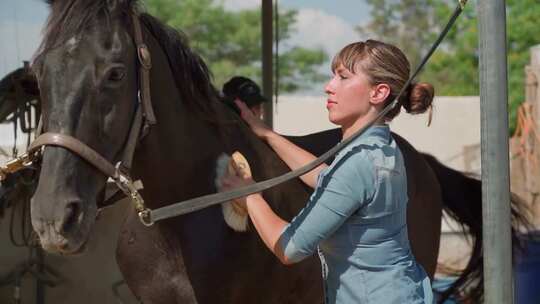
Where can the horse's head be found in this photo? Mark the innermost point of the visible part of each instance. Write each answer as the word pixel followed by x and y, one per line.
pixel 86 69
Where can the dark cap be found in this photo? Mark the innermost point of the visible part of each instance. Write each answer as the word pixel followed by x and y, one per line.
pixel 244 89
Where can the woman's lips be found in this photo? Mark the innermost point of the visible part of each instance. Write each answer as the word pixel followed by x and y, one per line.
pixel 330 103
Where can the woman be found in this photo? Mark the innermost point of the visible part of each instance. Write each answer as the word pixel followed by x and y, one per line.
pixel 356 216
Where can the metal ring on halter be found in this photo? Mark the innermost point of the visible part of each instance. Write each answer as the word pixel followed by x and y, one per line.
pixel 145 216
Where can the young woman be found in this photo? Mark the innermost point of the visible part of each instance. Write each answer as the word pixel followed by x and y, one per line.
pixel 356 216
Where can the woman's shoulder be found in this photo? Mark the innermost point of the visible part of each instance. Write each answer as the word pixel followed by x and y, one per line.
pixel 352 174
pixel 353 163
pixel 359 153
pixel 367 157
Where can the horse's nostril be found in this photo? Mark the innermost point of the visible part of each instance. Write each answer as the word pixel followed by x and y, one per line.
pixel 71 217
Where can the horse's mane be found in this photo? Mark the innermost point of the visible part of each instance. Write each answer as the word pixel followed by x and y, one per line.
pixel 68 18
pixel 191 74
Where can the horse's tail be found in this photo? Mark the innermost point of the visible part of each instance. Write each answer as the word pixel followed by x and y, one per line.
pixel 462 201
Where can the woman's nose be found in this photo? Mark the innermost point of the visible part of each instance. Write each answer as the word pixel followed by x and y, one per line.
pixel 329 88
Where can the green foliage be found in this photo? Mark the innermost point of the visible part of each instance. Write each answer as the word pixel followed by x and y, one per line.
pixel 230 42
pixel 405 23
pixel 453 69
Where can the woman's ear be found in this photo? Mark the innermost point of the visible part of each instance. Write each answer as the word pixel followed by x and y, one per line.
pixel 379 93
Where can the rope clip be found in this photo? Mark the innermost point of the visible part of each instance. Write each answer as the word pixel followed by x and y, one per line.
pixel 131 190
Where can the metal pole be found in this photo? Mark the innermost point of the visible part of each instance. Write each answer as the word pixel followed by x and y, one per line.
pixel 267 65
pixel 495 156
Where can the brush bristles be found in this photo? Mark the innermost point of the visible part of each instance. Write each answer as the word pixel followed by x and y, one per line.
pixel 238 222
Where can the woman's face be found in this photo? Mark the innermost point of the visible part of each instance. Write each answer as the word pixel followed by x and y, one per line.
pixel 348 96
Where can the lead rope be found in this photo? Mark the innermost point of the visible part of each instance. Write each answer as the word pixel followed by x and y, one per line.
pixel 205 201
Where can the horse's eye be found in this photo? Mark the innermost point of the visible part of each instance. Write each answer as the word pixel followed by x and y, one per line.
pixel 117 74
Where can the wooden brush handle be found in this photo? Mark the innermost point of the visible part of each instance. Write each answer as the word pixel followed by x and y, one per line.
pixel 238 165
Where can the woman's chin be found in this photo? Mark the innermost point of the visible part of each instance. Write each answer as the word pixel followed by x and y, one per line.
pixel 335 120
pixel 332 118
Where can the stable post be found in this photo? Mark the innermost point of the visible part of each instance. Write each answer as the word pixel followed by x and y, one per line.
pixel 495 155
pixel 267 60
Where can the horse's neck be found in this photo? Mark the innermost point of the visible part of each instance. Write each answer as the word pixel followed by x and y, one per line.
pixel 179 155
pixel 177 159
pixel 182 151
pixel 287 199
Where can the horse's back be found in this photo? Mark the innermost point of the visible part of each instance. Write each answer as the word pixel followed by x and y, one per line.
pixel 425 206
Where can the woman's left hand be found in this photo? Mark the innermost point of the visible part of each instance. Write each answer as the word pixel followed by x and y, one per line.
pixel 230 182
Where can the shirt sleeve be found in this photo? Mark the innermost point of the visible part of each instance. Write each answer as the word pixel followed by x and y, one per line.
pixel 347 186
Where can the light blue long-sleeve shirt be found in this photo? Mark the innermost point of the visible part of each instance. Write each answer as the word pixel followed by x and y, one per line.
pixel 356 218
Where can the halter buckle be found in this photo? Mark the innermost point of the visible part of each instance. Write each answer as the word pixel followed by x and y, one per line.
pixel 16 164
pixel 144 56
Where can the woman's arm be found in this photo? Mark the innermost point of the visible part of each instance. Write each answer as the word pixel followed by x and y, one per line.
pixel 268 224
pixel 294 156
pixel 346 188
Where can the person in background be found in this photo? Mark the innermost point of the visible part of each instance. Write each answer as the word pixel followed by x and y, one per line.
pixel 247 91
pixel 356 217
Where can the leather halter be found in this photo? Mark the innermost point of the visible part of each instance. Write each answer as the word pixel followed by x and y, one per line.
pixel 143 119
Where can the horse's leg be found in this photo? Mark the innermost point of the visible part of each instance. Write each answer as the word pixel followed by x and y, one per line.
pixel 425 207
pixel 152 274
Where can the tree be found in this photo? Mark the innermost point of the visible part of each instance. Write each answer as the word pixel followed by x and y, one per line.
pixel 453 69
pixel 406 23
pixel 230 42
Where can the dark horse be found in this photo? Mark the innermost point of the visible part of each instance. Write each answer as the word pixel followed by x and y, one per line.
pixel 86 68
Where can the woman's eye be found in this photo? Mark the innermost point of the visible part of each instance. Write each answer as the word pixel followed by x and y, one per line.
pixel 342 77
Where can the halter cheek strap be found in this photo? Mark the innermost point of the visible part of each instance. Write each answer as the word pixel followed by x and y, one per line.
pixel 145 64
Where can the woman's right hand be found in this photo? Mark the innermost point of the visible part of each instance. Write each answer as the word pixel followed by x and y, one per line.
pixel 255 123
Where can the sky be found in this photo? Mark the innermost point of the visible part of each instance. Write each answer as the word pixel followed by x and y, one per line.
pixel 20 31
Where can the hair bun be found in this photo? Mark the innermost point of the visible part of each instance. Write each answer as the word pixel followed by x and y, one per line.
pixel 419 97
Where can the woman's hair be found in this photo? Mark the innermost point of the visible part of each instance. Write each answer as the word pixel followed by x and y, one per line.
pixel 385 63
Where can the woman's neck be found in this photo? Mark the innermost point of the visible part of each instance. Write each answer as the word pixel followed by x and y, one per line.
pixel 349 130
